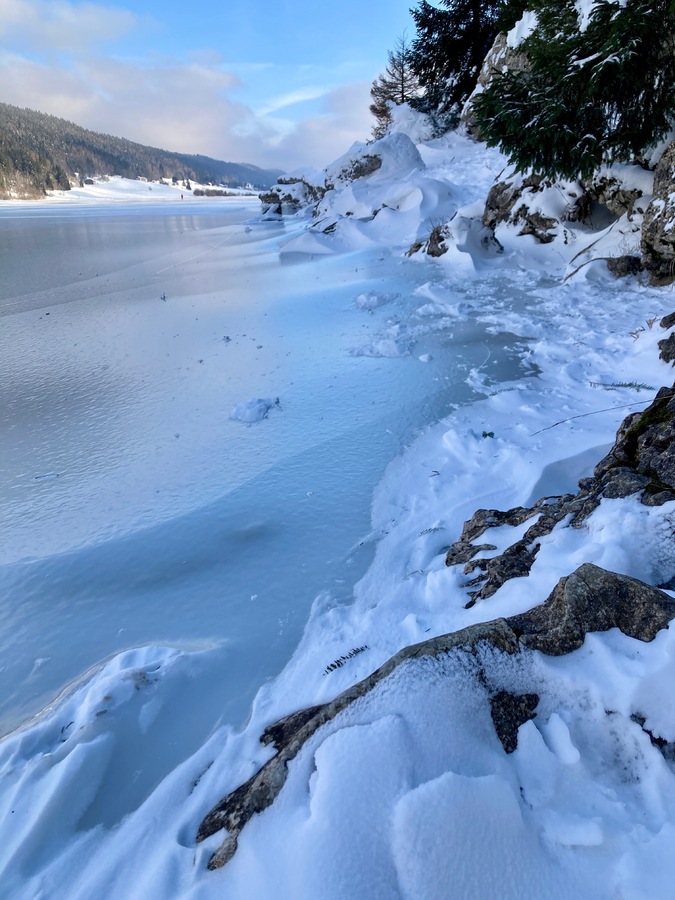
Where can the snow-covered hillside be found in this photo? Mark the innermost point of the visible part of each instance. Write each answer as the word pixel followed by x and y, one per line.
pixel 408 792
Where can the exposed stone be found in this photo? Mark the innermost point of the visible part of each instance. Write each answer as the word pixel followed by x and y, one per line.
pixel 361 167
pixel 668 321
pixel 500 58
pixel 658 229
pixel 622 266
pixel 667 748
pixel 515 562
pixel 641 461
pixel 590 599
pixel 536 225
pixel 509 712
pixel 667 349
pixel 508 201
pixel 612 193
pixel 646 444
pixel 289 195
pixel 436 245
pixel 503 196
pixel 466 234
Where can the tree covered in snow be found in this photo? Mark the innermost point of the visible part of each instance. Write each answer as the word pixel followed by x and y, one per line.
pixel 599 86
pixel 450 45
pixel 397 84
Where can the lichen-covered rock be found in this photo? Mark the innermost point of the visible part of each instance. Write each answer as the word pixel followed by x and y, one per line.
pixel 646 445
pixel 592 599
pixel 658 229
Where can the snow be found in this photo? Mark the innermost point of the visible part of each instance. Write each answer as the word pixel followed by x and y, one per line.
pixel 254 410
pixel 408 791
pixel 523 28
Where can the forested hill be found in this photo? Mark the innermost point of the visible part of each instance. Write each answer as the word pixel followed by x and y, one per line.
pixel 39 152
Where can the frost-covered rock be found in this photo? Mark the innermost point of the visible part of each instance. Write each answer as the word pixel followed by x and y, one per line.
pixel 465 234
pixel 658 231
pixel 531 203
pixel 392 157
pixel 292 193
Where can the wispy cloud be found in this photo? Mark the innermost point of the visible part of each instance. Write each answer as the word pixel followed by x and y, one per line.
pixel 301 95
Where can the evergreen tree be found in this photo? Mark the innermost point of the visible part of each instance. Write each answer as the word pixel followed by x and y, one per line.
pixel 449 48
pixel 595 91
pixel 397 84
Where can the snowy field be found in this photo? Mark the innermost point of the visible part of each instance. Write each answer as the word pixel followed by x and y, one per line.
pixel 198 407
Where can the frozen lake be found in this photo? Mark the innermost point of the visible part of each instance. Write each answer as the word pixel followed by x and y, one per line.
pixel 133 510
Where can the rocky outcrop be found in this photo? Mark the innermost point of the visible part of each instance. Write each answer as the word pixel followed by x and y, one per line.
pixel 658 229
pixel 361 167
pixel 642 461
pixel 590 599
pixel 290 194
pixel 467 234
pixel 500 58
pixel 514 202
pixel 611 192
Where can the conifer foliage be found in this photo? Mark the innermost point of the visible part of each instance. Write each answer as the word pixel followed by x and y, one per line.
pixel 450 45
pixel 397 84
pixel 599 87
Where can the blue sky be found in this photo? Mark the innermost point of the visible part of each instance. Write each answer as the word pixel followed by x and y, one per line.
pixel 280 83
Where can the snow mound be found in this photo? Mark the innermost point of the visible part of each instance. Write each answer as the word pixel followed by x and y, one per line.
pixel 373 299
pixel 254 410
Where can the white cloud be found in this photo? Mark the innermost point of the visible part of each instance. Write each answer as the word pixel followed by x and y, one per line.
pixel 61 25
pixel 185 105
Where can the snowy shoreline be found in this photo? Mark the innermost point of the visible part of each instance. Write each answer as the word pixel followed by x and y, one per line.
pixel 584 806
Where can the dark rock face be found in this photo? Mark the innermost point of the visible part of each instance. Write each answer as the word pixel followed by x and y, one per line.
pixel 667 349
pixel 612 194
pixel 658 229
pixel 590 599
pixel 622 266
pixel 509 712
pixel 436 244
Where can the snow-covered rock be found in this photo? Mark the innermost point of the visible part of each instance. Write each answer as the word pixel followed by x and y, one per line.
pixel 502 56
pixel 658 232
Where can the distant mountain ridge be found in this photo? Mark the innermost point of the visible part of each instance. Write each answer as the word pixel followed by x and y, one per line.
pixel 39 152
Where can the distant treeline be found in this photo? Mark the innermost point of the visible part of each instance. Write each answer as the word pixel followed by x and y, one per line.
pixel 39 152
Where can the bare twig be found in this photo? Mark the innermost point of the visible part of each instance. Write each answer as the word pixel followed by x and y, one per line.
pixel 594 413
